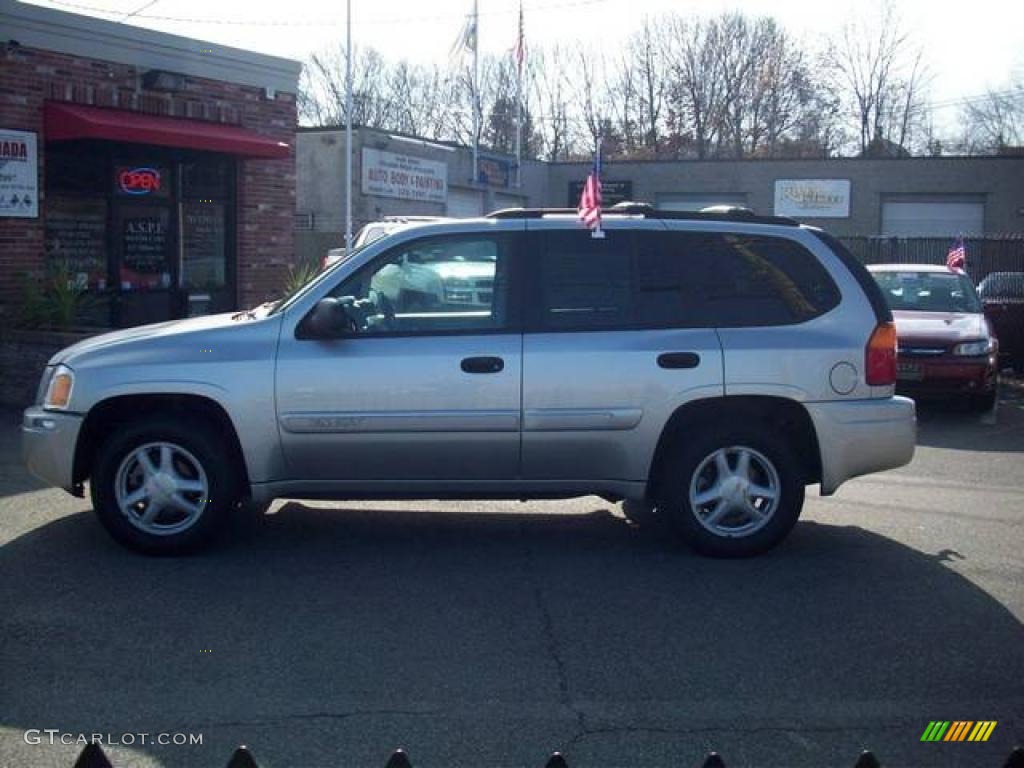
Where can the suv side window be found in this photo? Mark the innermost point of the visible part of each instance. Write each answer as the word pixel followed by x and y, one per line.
pixel 446 283
pixel 753 280
pixel 659 279
pixel 585 282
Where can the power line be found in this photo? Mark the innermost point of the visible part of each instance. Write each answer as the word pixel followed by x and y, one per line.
pixel 139 10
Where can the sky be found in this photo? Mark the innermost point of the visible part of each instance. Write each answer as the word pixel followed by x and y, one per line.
pixel 970 48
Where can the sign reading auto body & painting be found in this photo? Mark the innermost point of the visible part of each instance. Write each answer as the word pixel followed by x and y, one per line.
pixel 408 178
pixel 813 198
pixel 19 176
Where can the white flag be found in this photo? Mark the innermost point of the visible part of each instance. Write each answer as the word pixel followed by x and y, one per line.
pixel 465 43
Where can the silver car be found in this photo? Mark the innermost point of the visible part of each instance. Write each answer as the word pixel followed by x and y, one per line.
pixel 710 366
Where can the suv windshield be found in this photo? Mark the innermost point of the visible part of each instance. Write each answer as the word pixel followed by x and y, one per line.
pixel 928 291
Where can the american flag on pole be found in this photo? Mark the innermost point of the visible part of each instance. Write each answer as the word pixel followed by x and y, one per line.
pixel 590 199
pixel 520 50
pixel 957 256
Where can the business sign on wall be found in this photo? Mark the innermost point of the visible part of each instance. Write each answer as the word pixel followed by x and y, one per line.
pixel 612 192
pixel 813 198
pixel 19 176
pixel 408 178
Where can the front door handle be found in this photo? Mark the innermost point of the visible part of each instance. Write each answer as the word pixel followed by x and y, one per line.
pixel 483 364
pixel 679 360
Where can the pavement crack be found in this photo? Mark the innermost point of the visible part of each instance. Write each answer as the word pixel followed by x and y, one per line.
pixel 270 720
pixel 550 637
pixel 611 730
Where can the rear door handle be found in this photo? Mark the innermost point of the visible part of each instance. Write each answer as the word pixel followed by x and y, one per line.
pixel 679 360
pixel 483 364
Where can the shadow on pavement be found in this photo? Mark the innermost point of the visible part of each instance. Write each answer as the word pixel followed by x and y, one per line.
pixel 13 477
pixel 337 635
pixel 952 424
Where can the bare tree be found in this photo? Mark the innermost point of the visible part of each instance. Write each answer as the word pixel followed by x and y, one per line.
pixel 321 98
pixel 636 92
pixel 995 121
pixel 878 68
pixel 695 91
pixel 548 79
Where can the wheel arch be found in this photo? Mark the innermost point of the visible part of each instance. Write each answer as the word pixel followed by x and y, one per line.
pixel 782 415
pixel 118 410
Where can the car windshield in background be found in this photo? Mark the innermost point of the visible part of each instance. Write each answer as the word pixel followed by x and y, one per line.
pixel 1002 285
pixel 928 291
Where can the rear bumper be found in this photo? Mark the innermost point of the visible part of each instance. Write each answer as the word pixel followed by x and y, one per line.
pixel 48 440
pixel 858 437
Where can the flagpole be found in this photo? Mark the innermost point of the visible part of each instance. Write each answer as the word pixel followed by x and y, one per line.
pixel 476 92
pixel 520 56
pixel 348 126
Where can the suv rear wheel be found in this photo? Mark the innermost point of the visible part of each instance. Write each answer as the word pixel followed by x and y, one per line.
pixel 163 486
pixel 733 492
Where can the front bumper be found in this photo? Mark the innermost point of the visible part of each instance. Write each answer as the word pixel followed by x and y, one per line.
pixel 947 375
pixel 48 440
pixel 857 437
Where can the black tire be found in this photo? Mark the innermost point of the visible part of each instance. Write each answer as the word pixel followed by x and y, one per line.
pixel 205 445
pixel 689 454
pixel 643 514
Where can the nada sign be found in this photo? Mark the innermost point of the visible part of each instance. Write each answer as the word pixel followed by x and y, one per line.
pixel 408 178
pixel 813 198
pixel 19 175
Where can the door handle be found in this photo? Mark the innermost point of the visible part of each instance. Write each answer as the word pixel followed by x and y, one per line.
pixel 679 360
pixel 483 364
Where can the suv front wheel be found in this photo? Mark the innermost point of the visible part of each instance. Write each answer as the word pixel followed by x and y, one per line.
pixel 733 492
pixel 163 486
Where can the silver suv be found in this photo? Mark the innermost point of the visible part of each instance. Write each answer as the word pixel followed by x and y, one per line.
pixel 709 366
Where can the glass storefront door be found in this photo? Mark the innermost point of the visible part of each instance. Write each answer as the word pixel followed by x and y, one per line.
pixel 144 263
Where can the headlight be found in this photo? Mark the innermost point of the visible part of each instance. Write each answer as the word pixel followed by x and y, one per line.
pixel 975 348
pixel 58 394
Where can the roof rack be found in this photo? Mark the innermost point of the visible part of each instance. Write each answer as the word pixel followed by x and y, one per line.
pixel 648 211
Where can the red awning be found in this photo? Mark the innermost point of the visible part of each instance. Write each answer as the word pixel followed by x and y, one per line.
pixel 73 121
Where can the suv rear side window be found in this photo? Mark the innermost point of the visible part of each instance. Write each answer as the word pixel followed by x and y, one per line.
pixel 658 279
pixel 750 280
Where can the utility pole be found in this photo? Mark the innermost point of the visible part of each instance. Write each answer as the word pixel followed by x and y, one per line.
pixel 348 127
pixel 476 93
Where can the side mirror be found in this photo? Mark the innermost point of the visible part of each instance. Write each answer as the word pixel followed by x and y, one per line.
pixel 329 320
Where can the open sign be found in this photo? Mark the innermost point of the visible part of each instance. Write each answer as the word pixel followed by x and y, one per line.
pixel 139 181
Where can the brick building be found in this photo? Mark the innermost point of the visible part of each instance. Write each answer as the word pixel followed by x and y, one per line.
pixel 158 170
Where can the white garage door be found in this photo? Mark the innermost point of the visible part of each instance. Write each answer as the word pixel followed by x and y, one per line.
pixel 464 203
pixel 697 202
pixel 932 219
pixel 508 201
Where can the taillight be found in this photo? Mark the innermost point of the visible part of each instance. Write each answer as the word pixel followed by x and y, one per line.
pixel 880 356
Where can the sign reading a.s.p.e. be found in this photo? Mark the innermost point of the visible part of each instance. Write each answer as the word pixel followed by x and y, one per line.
pixel 388 174
pixel 19 175
pixel 813 198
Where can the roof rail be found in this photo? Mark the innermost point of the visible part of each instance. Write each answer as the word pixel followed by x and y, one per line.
pixel 648 211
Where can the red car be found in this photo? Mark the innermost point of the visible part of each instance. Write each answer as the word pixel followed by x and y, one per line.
pixel 945 344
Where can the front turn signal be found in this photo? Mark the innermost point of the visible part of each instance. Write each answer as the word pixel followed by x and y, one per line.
pixel 58 395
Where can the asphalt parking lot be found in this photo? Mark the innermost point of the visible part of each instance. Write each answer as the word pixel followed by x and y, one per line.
pixel 490 634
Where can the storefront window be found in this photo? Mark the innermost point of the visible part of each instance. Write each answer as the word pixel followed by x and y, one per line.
pixel 76 238
pixel 203 254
